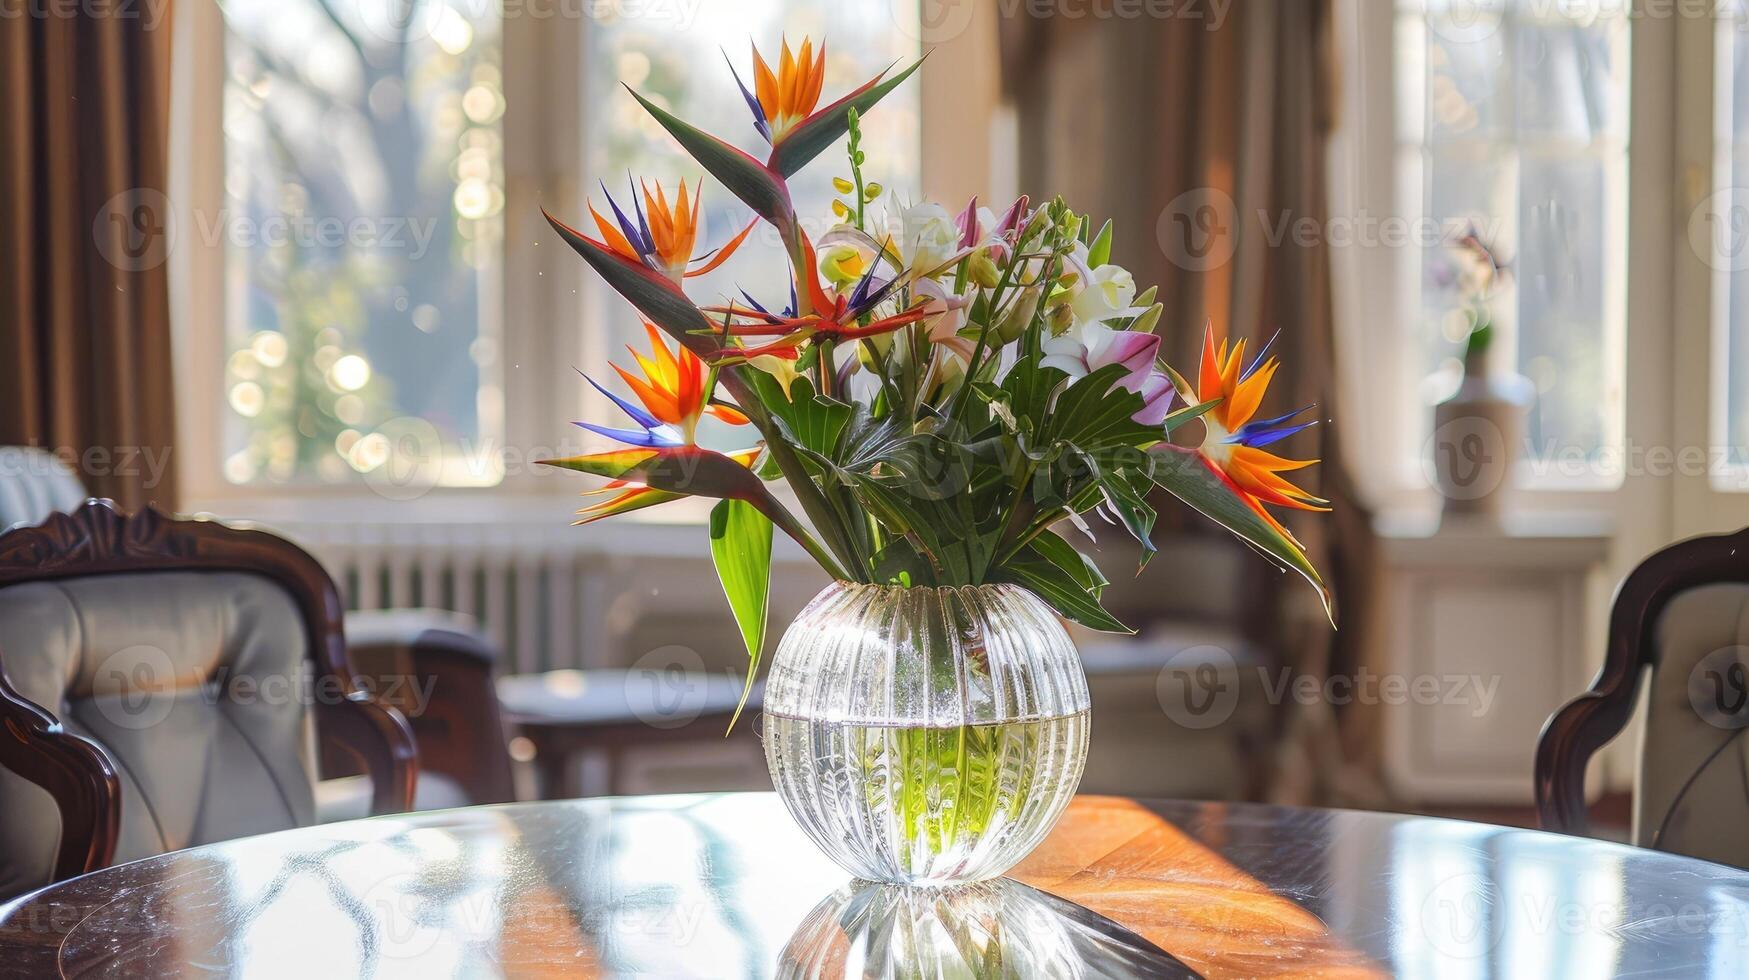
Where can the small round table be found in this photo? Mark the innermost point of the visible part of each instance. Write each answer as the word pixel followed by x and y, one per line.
pixel 726 886
pixel 568 714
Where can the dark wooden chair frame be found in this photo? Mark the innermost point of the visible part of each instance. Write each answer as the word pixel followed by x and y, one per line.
pixel 1586 723
pixel 97 539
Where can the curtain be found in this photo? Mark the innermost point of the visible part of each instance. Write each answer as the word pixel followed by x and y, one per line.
pixel 84 292
pixel 1205 140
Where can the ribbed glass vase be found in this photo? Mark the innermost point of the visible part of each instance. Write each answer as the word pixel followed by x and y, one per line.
pixel 926 735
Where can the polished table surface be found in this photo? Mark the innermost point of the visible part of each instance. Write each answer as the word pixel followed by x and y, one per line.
pixel 726 886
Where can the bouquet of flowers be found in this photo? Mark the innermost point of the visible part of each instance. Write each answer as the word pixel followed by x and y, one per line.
pixel 945 395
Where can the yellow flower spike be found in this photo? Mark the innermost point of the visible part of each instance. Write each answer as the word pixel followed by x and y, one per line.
pixel 842 186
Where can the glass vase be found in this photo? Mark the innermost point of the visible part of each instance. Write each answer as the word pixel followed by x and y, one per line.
pixel 926 735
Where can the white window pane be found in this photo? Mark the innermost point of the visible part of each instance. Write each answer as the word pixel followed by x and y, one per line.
pixel 1469 82
pixel 363 222
pixel 1720 236
pixel 1465 186
pixel 1571 81
pixel 1566 303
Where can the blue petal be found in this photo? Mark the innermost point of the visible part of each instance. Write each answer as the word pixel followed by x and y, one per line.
pixel 638 415
pixel 753 302
pixel 759 121
pixel 626 227
pixel 1257 361
pixel 638 206
pixel 634 437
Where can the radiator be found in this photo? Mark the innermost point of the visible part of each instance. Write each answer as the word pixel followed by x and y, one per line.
pixel 524 584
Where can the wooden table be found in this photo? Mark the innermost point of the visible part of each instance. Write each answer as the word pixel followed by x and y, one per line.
pixel 567 714
pixel 726 886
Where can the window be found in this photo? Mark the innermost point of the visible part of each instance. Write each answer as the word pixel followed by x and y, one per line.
pixel 1512 117
pixel 348 176
pixel 1722 231
pixel 363 223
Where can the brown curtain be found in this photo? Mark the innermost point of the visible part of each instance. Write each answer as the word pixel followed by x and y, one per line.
pixel 1206 141
pixel 85 320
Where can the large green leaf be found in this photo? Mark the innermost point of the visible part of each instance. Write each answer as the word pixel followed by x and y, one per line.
pixel 826 126
pixel 1060 577
pixel 813 422
pixel 654 295
pixel 1189 477
pixel 741 548
pixel 753 182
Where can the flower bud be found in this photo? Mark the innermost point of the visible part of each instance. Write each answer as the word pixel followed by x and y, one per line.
pixel 1060 318
pixel 871 191
pixel 1019 315
pixel 842 186
pixel 982 270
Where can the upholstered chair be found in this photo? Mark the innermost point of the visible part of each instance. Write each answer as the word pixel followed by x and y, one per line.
pixel 434 666
pixel 163 684
pixel 35 483
pixel 1680 624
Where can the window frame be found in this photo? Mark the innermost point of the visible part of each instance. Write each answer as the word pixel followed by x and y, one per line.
pixel 547 298
pixel 1375 296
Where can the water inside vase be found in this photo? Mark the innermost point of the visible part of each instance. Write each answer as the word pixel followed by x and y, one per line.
pixel 924 804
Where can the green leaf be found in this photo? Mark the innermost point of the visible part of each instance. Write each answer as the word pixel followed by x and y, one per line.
pixel 1054 548
pixel 1188 477
pixel 822 129
pixel 1099 253
pixel 812 423
pixel 741 548
pixel 1189 413
pixel 1061 587
pixel 753 182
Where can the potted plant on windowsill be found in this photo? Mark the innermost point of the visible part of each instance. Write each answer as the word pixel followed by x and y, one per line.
pixel 946 397
pixel 1479 430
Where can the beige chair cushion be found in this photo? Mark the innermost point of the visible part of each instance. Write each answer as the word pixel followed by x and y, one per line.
pixel 194 682
pixel 34 484
pixel 1711 820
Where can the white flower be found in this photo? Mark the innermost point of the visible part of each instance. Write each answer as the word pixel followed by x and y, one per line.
pixel 1106 293
pixel 928 237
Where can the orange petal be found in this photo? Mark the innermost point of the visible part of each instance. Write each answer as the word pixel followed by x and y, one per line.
pixel 728 414
pixel 611 235
pixel 726 251
pixel 1208 384
pixel 660 403
pixel 765 85
pixel 1248 394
